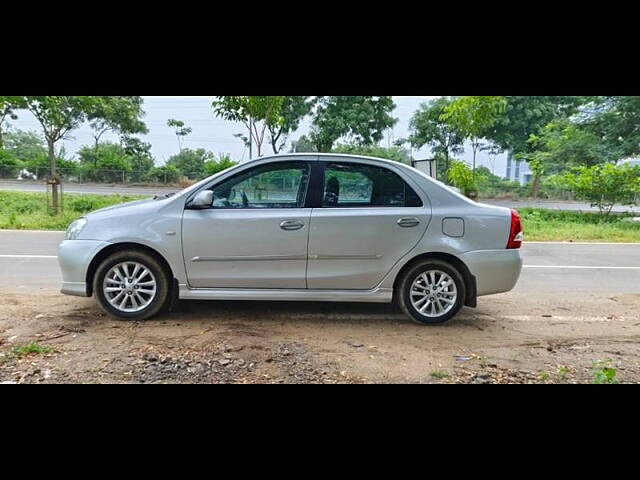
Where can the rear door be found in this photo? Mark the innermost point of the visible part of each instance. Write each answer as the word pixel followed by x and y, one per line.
pixel 370 217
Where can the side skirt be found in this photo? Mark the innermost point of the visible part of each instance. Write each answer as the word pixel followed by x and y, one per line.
pixel 377 295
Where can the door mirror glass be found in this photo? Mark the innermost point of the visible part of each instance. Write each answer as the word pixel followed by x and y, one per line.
pixel 203 199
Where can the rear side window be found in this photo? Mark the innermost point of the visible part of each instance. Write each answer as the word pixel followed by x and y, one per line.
pixel 358 185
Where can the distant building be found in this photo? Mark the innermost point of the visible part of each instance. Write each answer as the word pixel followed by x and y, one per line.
pixel 635 162
pixel 518 170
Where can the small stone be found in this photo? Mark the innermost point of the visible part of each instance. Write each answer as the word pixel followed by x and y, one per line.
pixel 356 344
pixel 224 362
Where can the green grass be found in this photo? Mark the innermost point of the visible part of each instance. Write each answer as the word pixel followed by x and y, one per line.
pixel 28 211
pixel 553 225
pixel 32 349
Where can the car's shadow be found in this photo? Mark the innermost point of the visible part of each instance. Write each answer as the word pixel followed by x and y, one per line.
pixel 275 308
pixel 301 312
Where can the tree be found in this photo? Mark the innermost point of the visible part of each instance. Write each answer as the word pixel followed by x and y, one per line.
pixel 191 163
pixel 58 116
pixel 360 120
pixel 106 162
pixel 563 144
pixel 7 113
pixel 524 116
pixel 181 131
pixel 463 177
pixel 257 114
pixel 28 148
pixel 119 115
pixel 395 153
pixel 293 110
pixel 616 120
pixel 139 154
pixel 474 116
pixel 604 185
pixel 213 166
pixel 428 128
pixel 303 145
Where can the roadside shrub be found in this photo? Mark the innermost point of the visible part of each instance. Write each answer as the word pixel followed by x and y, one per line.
pixel 211 167
pixel 604 185
pixel 461 176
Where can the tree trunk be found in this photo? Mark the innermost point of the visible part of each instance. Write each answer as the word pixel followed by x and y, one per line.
pixel 535 186
pixel 475 150
pixel 446 168
pixel 274 143
pixel 54 177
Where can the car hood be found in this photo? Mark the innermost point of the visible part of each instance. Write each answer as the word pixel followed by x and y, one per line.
pixel 122 207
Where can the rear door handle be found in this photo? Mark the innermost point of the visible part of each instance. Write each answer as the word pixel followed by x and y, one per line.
pixel 408 222
pixel 291 225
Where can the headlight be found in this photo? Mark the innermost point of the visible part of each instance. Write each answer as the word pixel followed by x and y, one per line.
pixel 75 228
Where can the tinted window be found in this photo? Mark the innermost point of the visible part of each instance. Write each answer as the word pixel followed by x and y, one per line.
pixel 280 185
pixel 357 185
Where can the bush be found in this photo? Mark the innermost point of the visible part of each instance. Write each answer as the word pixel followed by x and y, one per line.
pixel 164 174
pixel 191 163
pixel 223 162
pixel 461 176
pixel 604 185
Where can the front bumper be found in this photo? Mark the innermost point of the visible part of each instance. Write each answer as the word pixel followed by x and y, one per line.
pixel 496 271
pixel 74 257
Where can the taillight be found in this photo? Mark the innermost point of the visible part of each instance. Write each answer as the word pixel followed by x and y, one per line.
pixel 516 235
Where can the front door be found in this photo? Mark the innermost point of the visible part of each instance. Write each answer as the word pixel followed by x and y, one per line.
pixel 255 233
pixel 369 219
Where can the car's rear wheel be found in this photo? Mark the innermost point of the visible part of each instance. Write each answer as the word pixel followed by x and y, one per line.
pixel 131 285
pixel 432 292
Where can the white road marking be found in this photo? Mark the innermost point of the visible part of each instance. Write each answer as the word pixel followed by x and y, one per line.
pixel 582 267
pixel 581 243
pixel 28 256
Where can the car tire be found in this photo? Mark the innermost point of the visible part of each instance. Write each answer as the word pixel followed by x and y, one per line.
pixel 111 288
pixel 415 294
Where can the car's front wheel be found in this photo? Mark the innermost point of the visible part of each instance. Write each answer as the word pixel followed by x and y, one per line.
pixel 131 285
pixel 432 292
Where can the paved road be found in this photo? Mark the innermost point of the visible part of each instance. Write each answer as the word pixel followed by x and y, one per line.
pixel 113 189
pixel 27 262
pixel 87 188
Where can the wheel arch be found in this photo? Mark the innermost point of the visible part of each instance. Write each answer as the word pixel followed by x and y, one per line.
pixel 119 247
pixel 469 278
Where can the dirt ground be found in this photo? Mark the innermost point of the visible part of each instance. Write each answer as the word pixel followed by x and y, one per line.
pixel 508 339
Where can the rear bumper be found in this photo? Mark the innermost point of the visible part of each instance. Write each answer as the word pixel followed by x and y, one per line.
pixel 496 271
pixel 74 257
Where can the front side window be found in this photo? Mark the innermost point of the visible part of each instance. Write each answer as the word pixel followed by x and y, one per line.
pixel 281 185
pixel 358 185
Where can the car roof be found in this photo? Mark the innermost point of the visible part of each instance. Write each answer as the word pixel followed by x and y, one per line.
pixel 322 156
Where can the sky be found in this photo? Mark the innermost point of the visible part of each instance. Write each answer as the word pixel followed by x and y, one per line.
pixel 216 135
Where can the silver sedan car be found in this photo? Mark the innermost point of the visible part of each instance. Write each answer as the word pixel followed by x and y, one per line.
pixel 300 227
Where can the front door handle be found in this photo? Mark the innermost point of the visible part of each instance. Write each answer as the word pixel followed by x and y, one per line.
pixel 408 222
pixel 291 225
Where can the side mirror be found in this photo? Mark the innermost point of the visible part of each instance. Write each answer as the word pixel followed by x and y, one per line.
pixel 203 199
